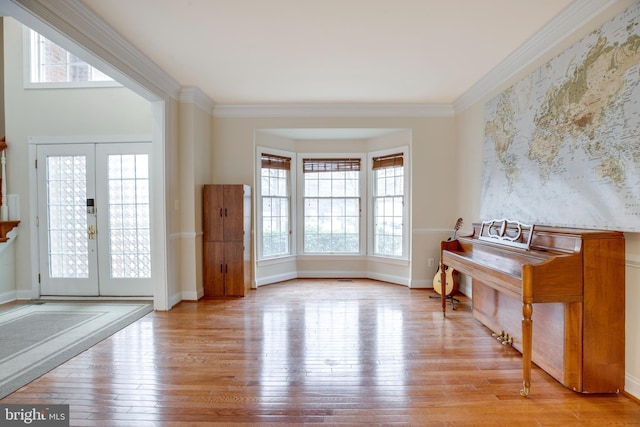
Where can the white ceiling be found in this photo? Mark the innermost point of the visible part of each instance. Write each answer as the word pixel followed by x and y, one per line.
pixel 328 51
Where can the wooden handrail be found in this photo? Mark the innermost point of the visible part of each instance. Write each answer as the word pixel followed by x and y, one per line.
pixel 5 228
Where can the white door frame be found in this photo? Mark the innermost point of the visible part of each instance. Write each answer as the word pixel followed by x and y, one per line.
pixel 157 202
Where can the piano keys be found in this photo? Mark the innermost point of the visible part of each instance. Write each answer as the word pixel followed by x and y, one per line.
pixel 559 293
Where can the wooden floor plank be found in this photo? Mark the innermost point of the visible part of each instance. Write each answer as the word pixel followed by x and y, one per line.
pixel 314 352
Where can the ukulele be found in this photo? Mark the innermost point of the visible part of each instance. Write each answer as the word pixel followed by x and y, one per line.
pixel 451 283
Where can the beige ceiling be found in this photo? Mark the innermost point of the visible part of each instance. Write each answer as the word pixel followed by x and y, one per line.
pixel 331 51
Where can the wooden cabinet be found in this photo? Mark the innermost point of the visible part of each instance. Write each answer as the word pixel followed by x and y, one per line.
pixel 227 240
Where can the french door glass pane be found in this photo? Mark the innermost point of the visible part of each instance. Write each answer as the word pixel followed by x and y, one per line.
pixel 67 217
pixel 129 227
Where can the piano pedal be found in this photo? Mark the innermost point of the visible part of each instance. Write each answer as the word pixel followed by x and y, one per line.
pixel 505 339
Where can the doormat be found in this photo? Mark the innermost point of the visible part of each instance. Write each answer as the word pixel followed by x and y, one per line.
pixel 37 337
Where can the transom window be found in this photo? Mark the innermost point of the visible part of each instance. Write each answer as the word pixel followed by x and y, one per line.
pixel 331 206
pixel 50 65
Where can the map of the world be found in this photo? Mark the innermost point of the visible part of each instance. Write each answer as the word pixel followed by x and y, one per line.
pixel 562 145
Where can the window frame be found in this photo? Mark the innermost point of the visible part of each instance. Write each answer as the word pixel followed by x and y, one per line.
pixel 259 205
pixel 28 60
pixel 404 150
pixel 362 227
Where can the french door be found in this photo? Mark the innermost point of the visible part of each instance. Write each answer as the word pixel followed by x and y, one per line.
pixel 93 219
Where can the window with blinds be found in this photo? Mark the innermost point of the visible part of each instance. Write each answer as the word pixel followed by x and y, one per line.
pixel 388 205
pixel 331 210
pixel 276 205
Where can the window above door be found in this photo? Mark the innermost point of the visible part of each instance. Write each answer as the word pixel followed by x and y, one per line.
pixel 47 66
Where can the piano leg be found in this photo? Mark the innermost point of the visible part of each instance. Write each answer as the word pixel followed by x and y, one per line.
pixel 527 344
pixel 443 282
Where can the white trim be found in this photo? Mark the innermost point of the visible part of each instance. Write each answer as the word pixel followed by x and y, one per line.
pixel 87 139
pixel 398 280
pixel 276 278
pixel 185 235
pixel 632 385
pixel 190 296
pixel 402 262
pixel 173 300
pixel 332 257
pixel 24 295
pixel 421 284
pixel 334 110
pixel 276 260
pixel 333 274
pixel 34 243
pixel 193 95
pixel 162 130
pixel 632 263
pixel 555 31
pixel 8 296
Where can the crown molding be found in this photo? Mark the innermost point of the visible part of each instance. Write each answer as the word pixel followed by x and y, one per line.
pixel 193 95
pixel 555 31
pixel 333 110
pixel 79 30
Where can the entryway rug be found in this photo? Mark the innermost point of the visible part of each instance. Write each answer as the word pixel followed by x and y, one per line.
pixel 36 337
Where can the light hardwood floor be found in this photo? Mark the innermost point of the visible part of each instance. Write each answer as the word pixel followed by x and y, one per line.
pixel 323 352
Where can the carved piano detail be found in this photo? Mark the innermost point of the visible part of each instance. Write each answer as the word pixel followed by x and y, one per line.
pixel 558 293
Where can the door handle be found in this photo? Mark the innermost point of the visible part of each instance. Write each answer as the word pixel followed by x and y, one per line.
pixel 92 232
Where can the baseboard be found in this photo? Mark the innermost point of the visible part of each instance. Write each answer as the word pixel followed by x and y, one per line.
pixel 174 299
pixel 8 296
pixel 190 296
pixel 421 284
pixel 24 295
pixel 334 274
pixel 275 279
pixel 632 386
pixel 389 278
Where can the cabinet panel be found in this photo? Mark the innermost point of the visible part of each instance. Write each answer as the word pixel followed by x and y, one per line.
pixel 233 212
pixel 213 268
pixel 234 269
pixel 213 213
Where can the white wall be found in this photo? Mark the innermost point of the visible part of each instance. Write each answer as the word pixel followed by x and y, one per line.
pixel 55 112
pixel 470 130
pixel 195 126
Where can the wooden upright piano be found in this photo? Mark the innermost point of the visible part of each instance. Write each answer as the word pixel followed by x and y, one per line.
pixel 557 294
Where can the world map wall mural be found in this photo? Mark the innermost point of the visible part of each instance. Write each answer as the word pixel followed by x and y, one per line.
pixel 562 145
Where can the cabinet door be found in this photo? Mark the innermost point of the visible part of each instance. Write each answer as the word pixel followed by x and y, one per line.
pixel 214 266
pixel 213 212
pixel 234 268
pixel 233 212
